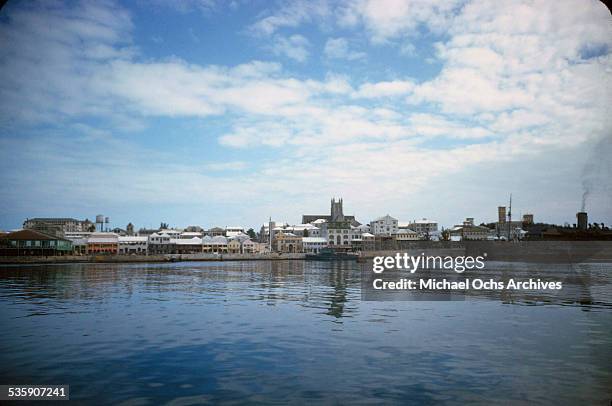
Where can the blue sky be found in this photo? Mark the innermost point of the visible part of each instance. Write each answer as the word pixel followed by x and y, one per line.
pixel 225 113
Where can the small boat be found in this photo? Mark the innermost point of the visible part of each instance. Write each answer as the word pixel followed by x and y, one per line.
pixel 329 254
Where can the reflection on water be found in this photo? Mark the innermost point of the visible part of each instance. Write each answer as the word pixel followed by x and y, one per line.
pixel 294 331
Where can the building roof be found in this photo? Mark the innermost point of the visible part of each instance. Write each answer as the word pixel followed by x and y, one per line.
pixel 22 235
pixel 385 217
pixel 424 221
pixel 187 241
pixel 314 239
pixel 52 219
pixel 131 238
pixel 103 238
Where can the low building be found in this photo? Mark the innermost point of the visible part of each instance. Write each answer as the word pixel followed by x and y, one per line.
pixel 469 231
pixel 288 243
pixel 132 245
pixel 216 232
pixel 234 246
pixel 216 245
pixel 313 245
pixel 160 243
pixel 425 228
pixel 385 225
pixel 103 243
pixel 405 234
pixel 249 246
pixel 31 242
pixel 233 231
pixel 186 245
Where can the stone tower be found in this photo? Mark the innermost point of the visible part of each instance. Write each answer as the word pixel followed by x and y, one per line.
pixel 336 210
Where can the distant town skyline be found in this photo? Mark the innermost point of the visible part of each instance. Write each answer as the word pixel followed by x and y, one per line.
pixel 226 113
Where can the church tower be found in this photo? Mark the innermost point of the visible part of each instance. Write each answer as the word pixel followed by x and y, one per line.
pixel 336 210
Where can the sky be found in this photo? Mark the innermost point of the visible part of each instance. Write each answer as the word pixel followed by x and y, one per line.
pixel 224 113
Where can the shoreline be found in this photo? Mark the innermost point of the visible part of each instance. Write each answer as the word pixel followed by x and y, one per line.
pixel 541 251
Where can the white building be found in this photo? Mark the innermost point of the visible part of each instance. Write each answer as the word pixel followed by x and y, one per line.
pixel 424 227
pixel 385 225
pixel 133 245
pixel 233 231
pixel 313 245
pixel 190 234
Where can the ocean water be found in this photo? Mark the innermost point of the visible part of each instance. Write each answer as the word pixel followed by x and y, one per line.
pixel 297 332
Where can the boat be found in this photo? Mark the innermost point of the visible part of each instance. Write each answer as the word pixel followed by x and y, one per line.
pixel 329 254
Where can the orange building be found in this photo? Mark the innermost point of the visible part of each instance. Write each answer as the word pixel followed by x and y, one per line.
pixel 103 243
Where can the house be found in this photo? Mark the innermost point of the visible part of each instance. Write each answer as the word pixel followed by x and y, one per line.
pixel 103 243
pixel 217 244
pixel 186 245
pixel 313 245
pixel 234 246
pixel 469 231
pixel 216 231
pixel 31 242
pixel 161 243
pixel 385 225
pixel 131 245
pixel 424 228
pixel 233 231
pixel 405 234
pixel 249 246
pixel 288 242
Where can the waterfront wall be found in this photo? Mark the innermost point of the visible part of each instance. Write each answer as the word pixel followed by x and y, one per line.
pixel 146 258
pixel 525 251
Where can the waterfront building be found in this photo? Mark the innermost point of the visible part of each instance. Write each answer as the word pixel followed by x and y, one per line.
pixel 129 244
pixel 288 242
pixel 160 243
pixel 186 245
pixel 313 245
pixel 249 246
pixel 216 244
pixel 385 225
pixel 425 228
pixel 368 242
pixel 103 243
pixel 234 246
pixel 469 231
pixel 31 242
pixel 405 234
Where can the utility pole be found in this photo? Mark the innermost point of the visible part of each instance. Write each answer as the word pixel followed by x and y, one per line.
pixel 510 217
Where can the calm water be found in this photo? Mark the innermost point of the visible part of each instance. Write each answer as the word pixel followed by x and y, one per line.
pixel 296 332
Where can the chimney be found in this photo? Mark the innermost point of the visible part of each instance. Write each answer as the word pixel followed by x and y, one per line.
pixel 582 220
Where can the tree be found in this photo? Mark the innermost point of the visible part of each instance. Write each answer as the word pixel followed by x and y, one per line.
pixel 306 234
pixel 445 235
pixel 251 234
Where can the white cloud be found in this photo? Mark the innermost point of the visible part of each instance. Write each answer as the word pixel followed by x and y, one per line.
pixel 291 14
pixel 338 48
pixel 385 89
pixel 294 47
